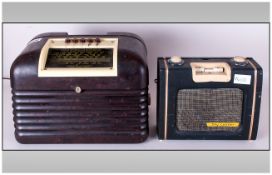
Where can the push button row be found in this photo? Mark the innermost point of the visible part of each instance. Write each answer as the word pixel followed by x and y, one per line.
pixel 82 40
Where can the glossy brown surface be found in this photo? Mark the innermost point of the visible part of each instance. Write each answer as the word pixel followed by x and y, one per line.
pixel 107 110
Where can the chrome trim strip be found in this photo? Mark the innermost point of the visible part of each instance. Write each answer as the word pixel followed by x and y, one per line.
pixel 254 100
pixel 166 99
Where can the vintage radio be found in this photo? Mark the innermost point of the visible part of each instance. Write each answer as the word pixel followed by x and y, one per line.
pixel 208 98
pixel 81 89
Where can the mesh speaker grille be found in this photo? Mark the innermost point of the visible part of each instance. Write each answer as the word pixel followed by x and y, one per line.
pixel 197 108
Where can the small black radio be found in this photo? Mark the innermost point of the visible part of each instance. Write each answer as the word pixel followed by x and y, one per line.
pixel 208 98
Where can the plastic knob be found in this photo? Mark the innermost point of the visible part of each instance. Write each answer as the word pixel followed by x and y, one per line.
pixel 176 60
pixel 67 40
pixel 239 59
pixel 82 40
pixel 75 40
pixel 97 40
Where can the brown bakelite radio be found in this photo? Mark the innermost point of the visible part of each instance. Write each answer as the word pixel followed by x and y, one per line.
pixel 208 98
pixel 81 89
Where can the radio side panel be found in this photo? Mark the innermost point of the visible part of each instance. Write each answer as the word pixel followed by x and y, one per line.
pixel 258 98
pixel 160 97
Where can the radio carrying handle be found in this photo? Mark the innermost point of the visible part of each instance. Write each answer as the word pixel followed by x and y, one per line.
pixel 210 72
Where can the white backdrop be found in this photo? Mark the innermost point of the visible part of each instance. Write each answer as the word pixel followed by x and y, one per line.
pixel 184 39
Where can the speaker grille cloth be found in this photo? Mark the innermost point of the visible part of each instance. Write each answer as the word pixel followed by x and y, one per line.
pixel 197 107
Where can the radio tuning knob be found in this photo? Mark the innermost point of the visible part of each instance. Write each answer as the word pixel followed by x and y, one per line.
pixel 67 40
pixel 78 89
pixel 239 59
pixel 82 40
pixel 90 40
pixel 176 60
pixel 97 40
pixel 75 40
